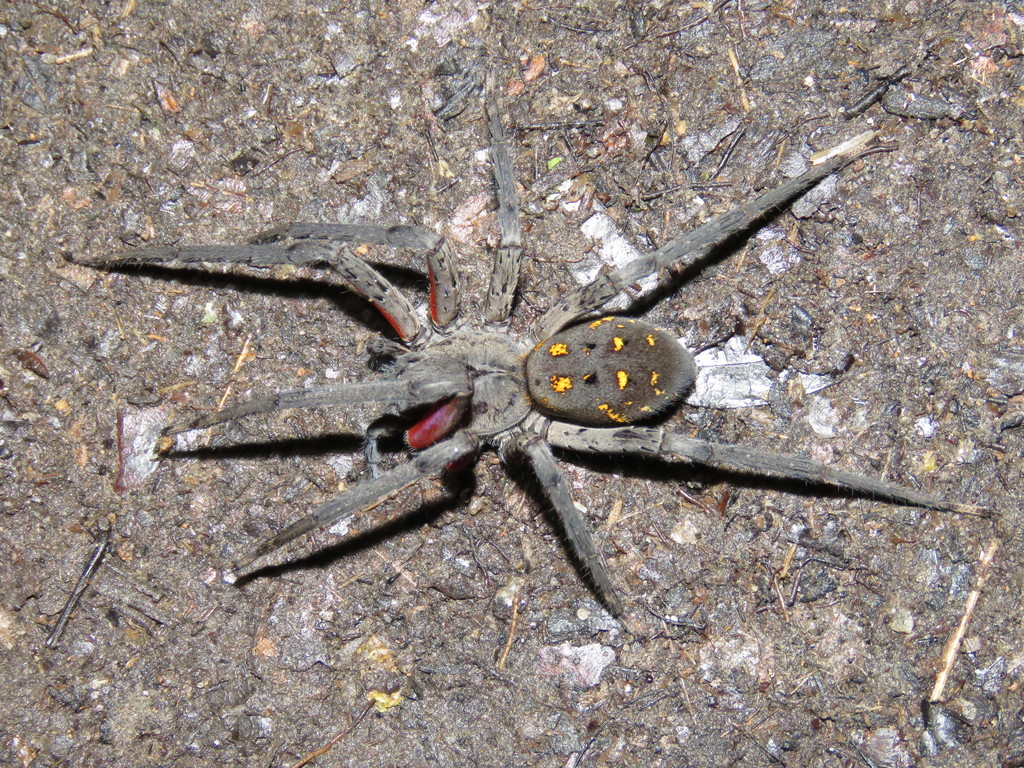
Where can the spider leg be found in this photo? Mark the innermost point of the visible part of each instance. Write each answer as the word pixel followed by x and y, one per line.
pixel 655 442
pixel 578 531
pixel 360 497
pixel 398 236
pixel 359 276
pixel 688 249
pixel 441 273
pixel 509 257
pixel 401 391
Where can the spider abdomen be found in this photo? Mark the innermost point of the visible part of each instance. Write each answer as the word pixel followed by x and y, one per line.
pixel 615 370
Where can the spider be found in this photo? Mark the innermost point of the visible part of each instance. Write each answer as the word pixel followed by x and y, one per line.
pixel 579 383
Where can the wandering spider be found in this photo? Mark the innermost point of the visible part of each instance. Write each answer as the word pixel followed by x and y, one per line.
pixel 578 383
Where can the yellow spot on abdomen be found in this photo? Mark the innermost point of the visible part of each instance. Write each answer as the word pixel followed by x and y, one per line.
pixel 559 348
pixel 622 378
pixel 650 339
pixel 611 414
pixel 654 378
pixel 561 384
pixel 617 343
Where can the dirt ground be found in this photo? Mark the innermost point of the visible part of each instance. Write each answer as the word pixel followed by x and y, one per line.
pixel 781 626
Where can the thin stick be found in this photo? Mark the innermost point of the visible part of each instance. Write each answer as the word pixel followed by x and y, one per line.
pixel 80 586
pixel 241 359
pixel 511 632
pixel 330 744
pixel 952 648
pixel 782 600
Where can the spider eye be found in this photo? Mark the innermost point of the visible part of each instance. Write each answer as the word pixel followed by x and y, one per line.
pixel 629 371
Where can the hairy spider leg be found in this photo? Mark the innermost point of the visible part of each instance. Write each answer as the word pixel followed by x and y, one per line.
pixel 679 253
pixel 441 273
pixel 659 443
pixel 357 275
pixel 508 259
pixel 577 529
pixel 317 244
pixel 405 392
pixel 367 494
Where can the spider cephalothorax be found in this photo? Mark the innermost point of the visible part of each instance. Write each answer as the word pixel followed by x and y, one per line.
pixel 580 383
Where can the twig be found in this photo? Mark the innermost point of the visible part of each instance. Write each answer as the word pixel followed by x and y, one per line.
pixel 762 318
pixel 727 156
pixel 874 92
pixel 511 632
pixel 952 648
pixel 240 360
pixel 330 744
pixel 80 586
